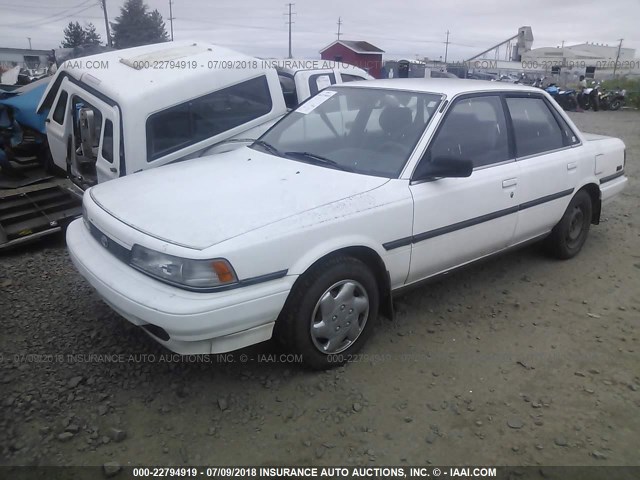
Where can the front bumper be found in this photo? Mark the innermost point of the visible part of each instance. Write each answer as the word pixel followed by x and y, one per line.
pixel 196 323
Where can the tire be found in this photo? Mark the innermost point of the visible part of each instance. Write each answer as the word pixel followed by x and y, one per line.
pixel 568 236
pixel 300 325
pixel 570 104
pixel 615 105
pixel 583 102
pixel 595 102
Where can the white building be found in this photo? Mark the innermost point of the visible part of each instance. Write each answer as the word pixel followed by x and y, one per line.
pixel 25 58
pixel 591 59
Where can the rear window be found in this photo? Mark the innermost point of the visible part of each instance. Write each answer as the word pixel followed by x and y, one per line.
pixel 319 81
pixel 350 78
pixel 196 120
pixel 288 86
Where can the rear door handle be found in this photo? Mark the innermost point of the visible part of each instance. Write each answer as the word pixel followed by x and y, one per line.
pixel 572 166
pixel 510 182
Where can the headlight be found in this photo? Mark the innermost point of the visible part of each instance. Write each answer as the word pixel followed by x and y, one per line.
pixel 196 274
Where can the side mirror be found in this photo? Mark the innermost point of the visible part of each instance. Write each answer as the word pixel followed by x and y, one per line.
pixel 449 167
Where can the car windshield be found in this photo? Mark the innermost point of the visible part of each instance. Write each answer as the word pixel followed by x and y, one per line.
pixel 371 131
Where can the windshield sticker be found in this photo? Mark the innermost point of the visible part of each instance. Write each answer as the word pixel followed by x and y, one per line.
pixel 315 102
pixel 431 104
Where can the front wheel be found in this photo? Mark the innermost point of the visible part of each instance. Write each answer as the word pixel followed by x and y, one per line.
pixel 330 312
pixel 615 105
pixel 568 236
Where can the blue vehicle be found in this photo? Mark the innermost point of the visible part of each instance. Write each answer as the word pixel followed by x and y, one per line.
pixel 32 204
pixel 565 98
pixel 22 130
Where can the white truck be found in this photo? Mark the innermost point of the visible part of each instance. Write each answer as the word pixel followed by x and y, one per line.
pixel 125 111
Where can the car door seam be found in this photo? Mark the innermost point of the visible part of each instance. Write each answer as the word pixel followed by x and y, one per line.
pixel 401 242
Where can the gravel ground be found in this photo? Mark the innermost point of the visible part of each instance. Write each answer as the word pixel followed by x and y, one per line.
pixel 522 360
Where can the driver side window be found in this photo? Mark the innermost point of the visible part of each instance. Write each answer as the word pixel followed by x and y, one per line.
pixel 473 129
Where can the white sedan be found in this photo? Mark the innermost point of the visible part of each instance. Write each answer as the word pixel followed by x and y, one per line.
pixel 365 189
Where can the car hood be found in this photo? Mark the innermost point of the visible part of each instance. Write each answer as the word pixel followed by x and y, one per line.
pixel 199 203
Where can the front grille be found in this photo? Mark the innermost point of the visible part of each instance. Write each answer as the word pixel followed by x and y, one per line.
pixel 117 250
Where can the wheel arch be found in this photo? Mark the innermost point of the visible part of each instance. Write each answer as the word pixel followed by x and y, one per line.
pixel 596 201
pixel 370 257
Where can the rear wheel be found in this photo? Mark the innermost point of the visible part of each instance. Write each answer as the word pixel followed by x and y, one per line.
pixel 329 313
pixel 615 105
pixel 568 236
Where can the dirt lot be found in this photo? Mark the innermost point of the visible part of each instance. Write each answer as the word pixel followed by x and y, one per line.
pixel 522 360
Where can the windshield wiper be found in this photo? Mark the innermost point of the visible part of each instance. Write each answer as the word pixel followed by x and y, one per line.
pixel 318 160
pixel 267 146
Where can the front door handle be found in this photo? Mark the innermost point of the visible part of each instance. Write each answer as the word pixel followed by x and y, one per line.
pixel 510 182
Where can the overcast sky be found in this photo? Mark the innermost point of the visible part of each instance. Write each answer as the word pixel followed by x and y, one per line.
pixel 404 29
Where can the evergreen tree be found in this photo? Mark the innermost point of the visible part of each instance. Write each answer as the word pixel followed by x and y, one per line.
pixel 137 26
pixel 91 36
pixel 75 35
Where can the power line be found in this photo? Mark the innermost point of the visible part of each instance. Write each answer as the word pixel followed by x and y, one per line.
pixel 615 65
pixel 290 23
pixel 103 4
pixel 446 47
pixel 171 18
pixel 51 19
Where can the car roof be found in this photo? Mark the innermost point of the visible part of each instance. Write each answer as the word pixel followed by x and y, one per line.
pixel 447 86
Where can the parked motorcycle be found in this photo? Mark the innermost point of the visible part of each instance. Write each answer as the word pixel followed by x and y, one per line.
pixel 613 100
pixel 565 98
pixel 590 98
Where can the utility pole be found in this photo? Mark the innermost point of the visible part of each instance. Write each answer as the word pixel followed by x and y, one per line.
pixel 615 65
pixel 339 25
pixel 29 38
pixel 103 4
pixel 562 44
pixel 290 23
pixel 446 47
pixel 171 18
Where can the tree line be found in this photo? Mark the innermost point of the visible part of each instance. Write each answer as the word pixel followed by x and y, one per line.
pixel 135 26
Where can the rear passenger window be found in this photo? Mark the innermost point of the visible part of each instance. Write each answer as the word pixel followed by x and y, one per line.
pixel 474 129
pixel 534 126
pixel 570 137
pixel 61 108
pixel 191 122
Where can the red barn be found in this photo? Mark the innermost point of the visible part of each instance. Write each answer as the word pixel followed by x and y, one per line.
pixel 358 53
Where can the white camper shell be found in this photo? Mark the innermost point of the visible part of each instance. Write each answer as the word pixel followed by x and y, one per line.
pixel 124 111
pixel 128 110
